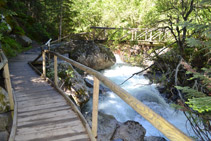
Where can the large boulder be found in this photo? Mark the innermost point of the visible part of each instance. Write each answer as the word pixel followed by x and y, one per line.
pixel 72 82
pixel 4 101
pixel 24 40
pixel 107 125
pixel 130 131
pixel 90 54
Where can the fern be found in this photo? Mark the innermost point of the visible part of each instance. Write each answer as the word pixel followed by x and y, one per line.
pixel 202 104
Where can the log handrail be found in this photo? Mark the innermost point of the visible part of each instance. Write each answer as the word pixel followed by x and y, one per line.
pixel 4 65
pixel 169 130
pixel 13 105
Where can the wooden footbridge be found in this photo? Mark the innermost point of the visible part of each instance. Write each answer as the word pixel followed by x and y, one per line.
pixel 42 112
pixel 144 35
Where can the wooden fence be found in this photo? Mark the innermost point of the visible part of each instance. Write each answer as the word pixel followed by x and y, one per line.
pixel 13 104
pixel 135 34
pixel 6 73
pixel 170 131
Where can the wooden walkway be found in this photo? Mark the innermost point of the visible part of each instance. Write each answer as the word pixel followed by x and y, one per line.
pixel 43 114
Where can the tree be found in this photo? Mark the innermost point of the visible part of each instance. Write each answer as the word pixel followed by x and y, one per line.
pixel 176 15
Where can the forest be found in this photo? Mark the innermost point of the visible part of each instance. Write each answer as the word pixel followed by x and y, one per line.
pixel 185 70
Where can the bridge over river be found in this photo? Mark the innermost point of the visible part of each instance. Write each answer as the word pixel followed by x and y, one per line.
pixel 42 111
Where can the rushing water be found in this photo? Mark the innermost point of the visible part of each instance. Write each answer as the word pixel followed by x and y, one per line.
pixel 139 87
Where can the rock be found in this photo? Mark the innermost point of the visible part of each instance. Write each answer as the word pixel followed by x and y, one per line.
pixel 130 131
pixel 4 136
pixel 89 54
pixel 4 101
pixel 154 138
pixel 107 125
pixel 3 20
pixel 5 121
pixel 73 83
pixel 24 40
pixel 90 83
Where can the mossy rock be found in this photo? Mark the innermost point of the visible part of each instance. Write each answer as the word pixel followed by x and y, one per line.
pixel 4 101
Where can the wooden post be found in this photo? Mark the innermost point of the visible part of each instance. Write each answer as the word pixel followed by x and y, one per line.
pixel 135 34
pixel 8 86
pixel 93 32
pixel 43 65
pixel 95 107
pixel 49 55
pixel 132 35
pixel 104 38
pixel 146 35
pixel 55 71
pixel 150 39
pixel 160 33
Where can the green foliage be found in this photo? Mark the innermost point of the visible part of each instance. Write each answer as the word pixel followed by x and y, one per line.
pixel 3 29
pixel 37 32
pixel 197 99
pixel 18 30
pixel 10 46
pixel 190 92
pixel 202 104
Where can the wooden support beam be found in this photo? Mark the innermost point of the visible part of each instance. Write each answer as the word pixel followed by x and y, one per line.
pixel 55 71
pixel 43 65
pixel 8 86
pixel 95 107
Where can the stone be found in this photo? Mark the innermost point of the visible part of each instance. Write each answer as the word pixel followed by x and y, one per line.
pixel 4 101
pixel 3 20
pixel 5 121
pixel 4 136
pixel 102 89
pixel 88 53
pixel 107 125
pixel 24 40
pixel 130 131
pixel 154 138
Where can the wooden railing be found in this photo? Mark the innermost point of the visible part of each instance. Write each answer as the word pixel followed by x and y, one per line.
pixel 136 34
pixel 4 66
pixel 12 101
pixel 170 131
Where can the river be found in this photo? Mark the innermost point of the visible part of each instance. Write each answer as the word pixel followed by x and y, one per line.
pixel 140 87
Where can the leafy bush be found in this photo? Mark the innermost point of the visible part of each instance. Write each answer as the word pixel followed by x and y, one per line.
pixel 37 32
pixel 11 47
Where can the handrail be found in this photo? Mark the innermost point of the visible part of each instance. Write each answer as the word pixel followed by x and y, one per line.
pixel 169 130
pixel 4 66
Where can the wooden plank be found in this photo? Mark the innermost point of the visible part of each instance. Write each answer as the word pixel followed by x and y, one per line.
pixel 29 84
pixel 38 92
pixel 39 97
pixel 47 120
pixel 53 134
pixel 40 107
pixel 71 123
pixel 46 116
pixel 95 107
pixel 29 113
pixel 32 89
pixel 41 102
